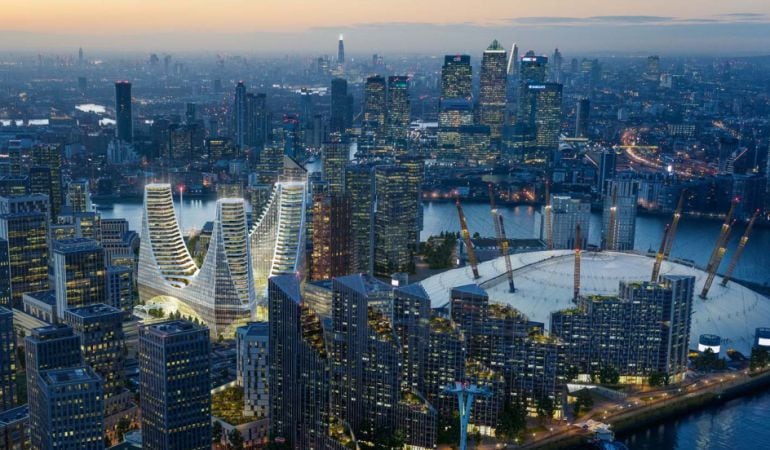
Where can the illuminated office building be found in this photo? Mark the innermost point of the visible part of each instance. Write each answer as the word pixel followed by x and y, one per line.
pixel 394 220
pixel 79 274
pixel 538 120
pixel 375 106
pixel 399 110
pixel 533 68
pixel 239 116
pixel 175 385
pixel 46 174
pixel 71 409
pixel 456 76
pixel 492 89
pixel 47 348
pixel 100 328
pixel 23 251
pixel 453 114
pixel 7 360
pixel 331 238
pixel 334 156
pixel 359 183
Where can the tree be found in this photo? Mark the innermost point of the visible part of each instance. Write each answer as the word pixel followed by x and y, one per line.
pixel 236 439
pixel 448 430
pixel 659 379
pixel 387 439
pixel 609 375
pixel 545 408
pixel 708 360
pixel 216 432
pixel 513 420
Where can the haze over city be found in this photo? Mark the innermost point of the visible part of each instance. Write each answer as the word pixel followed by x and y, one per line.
pixel 398 26
pixel 384 225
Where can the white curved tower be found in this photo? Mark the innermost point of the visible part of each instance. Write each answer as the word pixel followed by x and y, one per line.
pixel 221 292
pixel 278 236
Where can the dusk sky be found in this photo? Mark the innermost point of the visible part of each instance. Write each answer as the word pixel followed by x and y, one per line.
pixel 394 26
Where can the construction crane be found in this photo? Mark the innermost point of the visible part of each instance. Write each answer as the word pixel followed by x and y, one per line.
pixel 467 238
pixel 465 394
pixel 502 240
pixel 674 225
pixel 610 239
pixel 719 250
pixel 548 224
pixel 739 250
pixel 659 255
pixel 576 279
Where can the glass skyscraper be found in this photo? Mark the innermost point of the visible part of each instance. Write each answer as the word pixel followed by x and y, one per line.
pixel 124 119
pixel 175 385
pixel 492 89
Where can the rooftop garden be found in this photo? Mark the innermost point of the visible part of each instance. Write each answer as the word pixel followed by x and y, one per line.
pixel 228 406
pixel 379 322
pixel 500 311
pixel 312 330
pixel 340 432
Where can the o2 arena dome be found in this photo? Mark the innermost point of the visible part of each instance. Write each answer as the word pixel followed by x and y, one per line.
pixel 544 284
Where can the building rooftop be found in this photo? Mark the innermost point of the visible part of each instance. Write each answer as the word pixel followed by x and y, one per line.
pixel 76 244
pixel 173 327
pixel 14 414
pixel 51 332
pixel 69 375
pixel 253 329
pixel 544 283
pixel 95 310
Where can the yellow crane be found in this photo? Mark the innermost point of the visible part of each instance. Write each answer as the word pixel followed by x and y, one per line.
pixel 719 250
pixel 548 224
pixel 467 238
pixel 502 239
pixel 659 255
pixel 576 279
pixel 739 250
pixel 674 225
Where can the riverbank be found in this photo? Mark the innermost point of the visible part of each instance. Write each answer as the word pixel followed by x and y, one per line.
pixel 644 417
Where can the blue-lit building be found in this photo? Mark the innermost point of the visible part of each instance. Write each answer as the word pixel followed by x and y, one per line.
pixel 47 348
pixel 175 385
pixel 71 409
pixel 7 360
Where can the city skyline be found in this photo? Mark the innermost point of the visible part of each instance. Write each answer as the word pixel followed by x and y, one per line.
pixel 430 26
